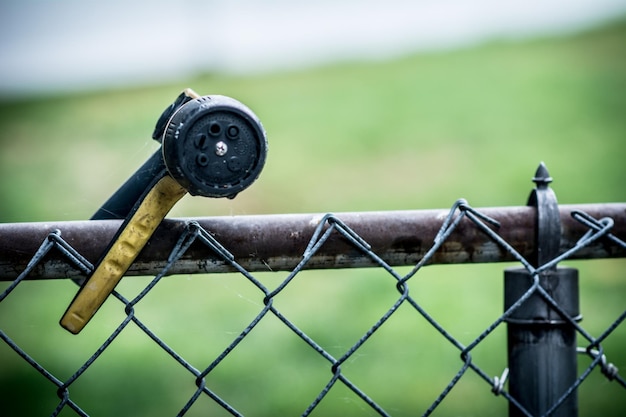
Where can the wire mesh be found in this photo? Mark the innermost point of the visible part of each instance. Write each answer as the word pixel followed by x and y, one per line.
pixel 337 361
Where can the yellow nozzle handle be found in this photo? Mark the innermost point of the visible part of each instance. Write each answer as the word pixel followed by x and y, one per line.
pixel 122 253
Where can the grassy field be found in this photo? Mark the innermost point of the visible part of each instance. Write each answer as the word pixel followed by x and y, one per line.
pixel 414 133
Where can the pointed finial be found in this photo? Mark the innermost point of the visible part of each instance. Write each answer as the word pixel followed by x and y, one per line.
pixel 542 176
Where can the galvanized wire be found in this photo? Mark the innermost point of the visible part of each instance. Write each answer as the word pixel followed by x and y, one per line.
pixel 327 227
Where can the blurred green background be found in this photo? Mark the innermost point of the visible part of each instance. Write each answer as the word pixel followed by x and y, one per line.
pixel 411 133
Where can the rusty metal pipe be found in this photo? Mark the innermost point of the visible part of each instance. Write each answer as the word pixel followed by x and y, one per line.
pixel 277 242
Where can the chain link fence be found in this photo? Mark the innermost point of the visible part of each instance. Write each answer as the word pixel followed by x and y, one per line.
pixel 462 235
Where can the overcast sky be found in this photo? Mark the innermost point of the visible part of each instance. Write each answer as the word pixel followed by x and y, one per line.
pixel 73 44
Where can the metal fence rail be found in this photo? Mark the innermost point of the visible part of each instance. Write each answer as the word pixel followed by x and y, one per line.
pixel 383 240
pixel 277 242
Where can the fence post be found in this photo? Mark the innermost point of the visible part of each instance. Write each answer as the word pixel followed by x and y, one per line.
pixel 541 343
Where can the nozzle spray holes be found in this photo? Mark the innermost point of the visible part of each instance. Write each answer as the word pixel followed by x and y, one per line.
pixel 201 141
pixel 232 132
pixel 202 159
pixel 215 129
